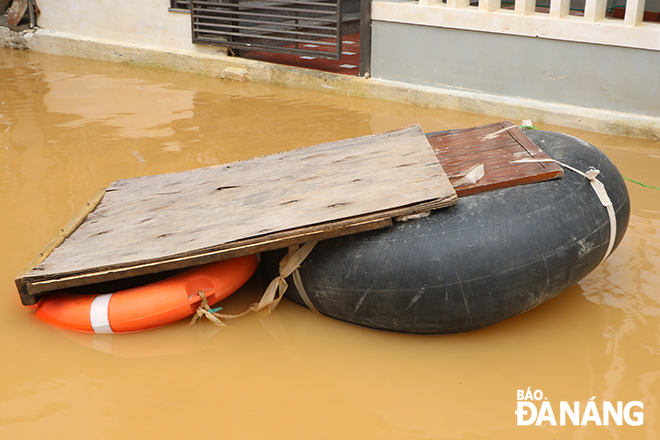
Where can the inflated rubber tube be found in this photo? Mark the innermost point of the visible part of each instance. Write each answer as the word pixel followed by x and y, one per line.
pixel 490 257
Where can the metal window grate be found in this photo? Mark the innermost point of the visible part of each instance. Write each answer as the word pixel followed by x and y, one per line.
pixel 301 27
pixel 180 4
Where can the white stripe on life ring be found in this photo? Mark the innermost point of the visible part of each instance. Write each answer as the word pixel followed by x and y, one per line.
pixel 98 314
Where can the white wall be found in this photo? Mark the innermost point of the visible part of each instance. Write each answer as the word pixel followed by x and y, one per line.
pixel 143 22
pixel 608 78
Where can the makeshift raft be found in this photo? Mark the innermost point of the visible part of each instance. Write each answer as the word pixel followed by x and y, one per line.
pixel 503 249
pixel 152 224
pixel 490 257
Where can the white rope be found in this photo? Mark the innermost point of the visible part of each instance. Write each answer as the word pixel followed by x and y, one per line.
pixel 290 263
pixel 600 190
pixel 274 292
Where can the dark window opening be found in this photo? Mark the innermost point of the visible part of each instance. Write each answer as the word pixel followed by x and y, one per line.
pixel 180 4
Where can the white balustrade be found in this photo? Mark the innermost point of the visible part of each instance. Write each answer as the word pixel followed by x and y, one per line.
pixel 455 4
pixel 594 10
pixel 525 7
pixel 525 20
pixel 559 8
pixel 634 12
pixel 490 5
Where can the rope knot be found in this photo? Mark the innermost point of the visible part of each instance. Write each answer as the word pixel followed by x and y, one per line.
pixel 274 293
pixel 591 173
pixel 289 264
pixel 205 311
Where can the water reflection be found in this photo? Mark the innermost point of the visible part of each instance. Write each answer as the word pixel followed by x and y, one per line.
pixel 136 108
pixel 627 289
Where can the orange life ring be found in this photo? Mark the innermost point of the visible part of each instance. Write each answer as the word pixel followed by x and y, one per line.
pixel 149 306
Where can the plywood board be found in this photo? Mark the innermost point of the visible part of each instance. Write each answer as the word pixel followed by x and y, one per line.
pixel 155 223
pixel 497 146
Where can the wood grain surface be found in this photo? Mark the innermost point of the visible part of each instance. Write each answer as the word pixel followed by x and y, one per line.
pixel 161 222
pixel 497 146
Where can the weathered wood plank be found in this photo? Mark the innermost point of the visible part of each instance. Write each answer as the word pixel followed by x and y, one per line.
pixel 17 11
pixel 182 219
pixel 101 274
pixel 63 233
pixel 496 146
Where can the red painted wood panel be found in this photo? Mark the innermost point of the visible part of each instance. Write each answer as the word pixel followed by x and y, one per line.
pixel 497 146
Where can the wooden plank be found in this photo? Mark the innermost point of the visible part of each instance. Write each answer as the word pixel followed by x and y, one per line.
pixel 17 11
pixel 496 146
pixel 38 285
pixel 71 226
pixel 153 223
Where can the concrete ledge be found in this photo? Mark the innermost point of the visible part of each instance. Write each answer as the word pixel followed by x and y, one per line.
pixel 214 62
pixel 600 121
pixel 12 39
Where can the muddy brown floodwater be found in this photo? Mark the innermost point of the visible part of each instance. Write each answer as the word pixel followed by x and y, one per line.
pixel 69 127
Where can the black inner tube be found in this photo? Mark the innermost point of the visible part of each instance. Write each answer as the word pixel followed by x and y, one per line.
pixel 492 256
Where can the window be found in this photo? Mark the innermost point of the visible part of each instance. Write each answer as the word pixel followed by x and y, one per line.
pixel 180 4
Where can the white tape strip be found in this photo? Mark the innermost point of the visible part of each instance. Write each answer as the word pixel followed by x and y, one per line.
pixel 600 190
pixel 297 281
pixel 98 314
pixel 498 132
pixel 598 186
pixel 471 176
